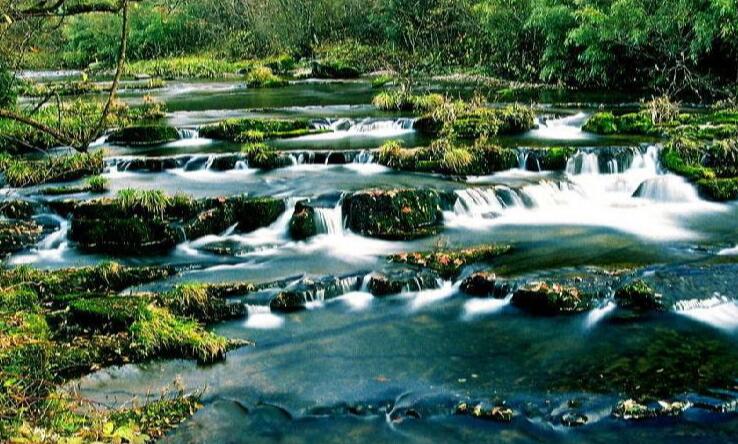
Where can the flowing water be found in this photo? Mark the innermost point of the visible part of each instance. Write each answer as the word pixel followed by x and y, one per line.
pixel 393 369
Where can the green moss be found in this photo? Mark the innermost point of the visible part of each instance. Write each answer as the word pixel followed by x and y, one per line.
pixel 106 277
pixel 155 418
pixel 108 313
pixel 242 130
pixel 393 214
pixel 191 67
pixel 554 158
pixel 144 135
pixel 162 334
pixel 17 235
pixel 718 189
pixel 202 302
pixel 471 121
pixel 449 263
pixel 263 77
pixel 601 123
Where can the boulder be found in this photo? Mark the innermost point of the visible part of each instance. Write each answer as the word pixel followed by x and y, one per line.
pixel 396 281
pixel 483 284
pixel 393 214
pixel 302 223
pixel 123 236
pixel 637 295
pixel 550 299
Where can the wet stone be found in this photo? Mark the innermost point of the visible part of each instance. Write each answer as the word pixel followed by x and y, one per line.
pixel 397 281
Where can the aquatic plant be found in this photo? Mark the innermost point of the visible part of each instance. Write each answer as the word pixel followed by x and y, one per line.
pixel 263 77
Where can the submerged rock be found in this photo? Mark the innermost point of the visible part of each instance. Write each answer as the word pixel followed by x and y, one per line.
pixel 496 413
pixel 631 410
pixel 637 295
pixel 550 299
pixel 393 214
pixel 574 419
pixel 18 235
pixel 17 209
pixel 396 281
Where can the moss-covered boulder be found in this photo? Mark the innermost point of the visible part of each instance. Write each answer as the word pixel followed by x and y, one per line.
pixel 334 69
pixel 393 214
pixel 404 280
pixel 244 130
pixel 449 263
pixel 144 135
pixel 302 222
pixel 544 298
pixel 640 123
pixel 16 235
pixel 17 209
pixel 123 236
pixel 471 122
pixel 637 295
pixel 549 159
pixel 206 303
pixel 601 123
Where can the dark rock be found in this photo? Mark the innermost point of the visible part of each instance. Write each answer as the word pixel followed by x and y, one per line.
pixel 123 236
pixel 393 214
pixel 302 223
pixel 17 209
pixel 396 281
pixel 637 295
pixel 550 299
pixel 479 284
pixel 151 164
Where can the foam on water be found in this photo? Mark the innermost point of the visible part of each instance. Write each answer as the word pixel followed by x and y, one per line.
pixel 52 248
pixel 564 128
pixel 717 311
pixel 261 318
pixel 356 300
pixel 598 314
pixel 423 298
pixel 484 306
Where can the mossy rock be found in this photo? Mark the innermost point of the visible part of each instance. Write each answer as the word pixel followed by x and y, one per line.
pixel 330 69
pixel 253 213
pixel 16 235
pixel 17 209
pixel 551 299
pixel 552 159
pixel 302 222
pixel 639 124
pixel 123 236
pixel 393 214
pixel 487 412
pixel 144 135
pixel 719 190
pixel 233 129
pixel 481 284
pixel 205 303
pixel 637 295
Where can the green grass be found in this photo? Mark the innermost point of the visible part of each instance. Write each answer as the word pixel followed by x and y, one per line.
pixel 151 202
pixel 263 77
pixel 198 67
pixel 403 101
pixel 24 173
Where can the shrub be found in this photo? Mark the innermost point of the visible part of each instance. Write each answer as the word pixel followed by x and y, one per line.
pixel 263 77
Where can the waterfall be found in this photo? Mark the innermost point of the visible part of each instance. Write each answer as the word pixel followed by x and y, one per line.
pixel 57 239
pixel 242 165
pixel 718 311
pixel 329 220
pixel 364 157
pixel 365 127
pixel 667 188
pixel 261 318
pixel 522 159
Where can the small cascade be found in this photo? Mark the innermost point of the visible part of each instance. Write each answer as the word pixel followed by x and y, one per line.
pixel 242 165
pixel 477 202
pixel 583 163
pixel 598 314
pixel 667 188
pixel 365 127
pixel 522 159
pixel 563 128
pixel 364 157
pixel 329 220
pixel 188 133
pixel 57 239
pixel 549 194
pixel 612 166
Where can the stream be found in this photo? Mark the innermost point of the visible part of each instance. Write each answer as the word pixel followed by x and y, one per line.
pixel 366 369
